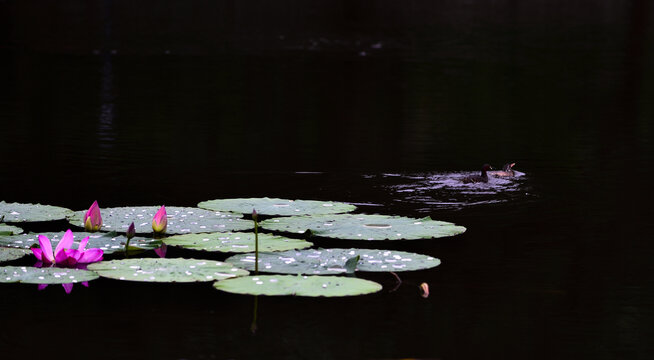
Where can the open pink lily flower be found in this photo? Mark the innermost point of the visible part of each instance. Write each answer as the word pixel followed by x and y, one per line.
pixel 63 255
pixel 92 218
pixel 83 255
pixel 45 253
pixel 160 221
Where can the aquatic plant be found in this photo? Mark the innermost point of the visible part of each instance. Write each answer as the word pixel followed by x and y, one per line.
pixel 63 255
pixel 276 206
pixel 298 285
pixel 160 221
pixel 19 212
pixel 235 242
pixel 46 275
pixel 93 218
pixel 364 227
pixel 180 220
pixel 109 242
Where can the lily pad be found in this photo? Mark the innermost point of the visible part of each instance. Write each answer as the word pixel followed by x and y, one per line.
pixel 47 275
pixel 328 286
pixel 181 220
pixel 108 242
pixel 8 254
pixel 274 206
pixel 166 270
pixel 17 212
pixel 334 261
pixel 237 242
pixel 9 230
pixel 365 227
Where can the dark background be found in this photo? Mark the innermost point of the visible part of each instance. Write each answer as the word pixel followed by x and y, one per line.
pixel 176 102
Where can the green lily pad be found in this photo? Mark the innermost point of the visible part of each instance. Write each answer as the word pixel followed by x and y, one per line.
pixel 181 220
pixel 237 242
pixel 334 261
pixel 365 227
pixel 166 270
pixel 9 230
pixel 8 254
pixel 328 286
pixel 17 212
pixel 108 242
pixel 46 275
pixel 285 207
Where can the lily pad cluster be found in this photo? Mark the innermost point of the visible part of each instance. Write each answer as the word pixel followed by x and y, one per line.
pixel 277 207
pixel 217 226
pixel 364 227
pixel 181 220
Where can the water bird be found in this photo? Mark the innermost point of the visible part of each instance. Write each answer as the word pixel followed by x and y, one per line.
pixel 478 178
pixel 507 171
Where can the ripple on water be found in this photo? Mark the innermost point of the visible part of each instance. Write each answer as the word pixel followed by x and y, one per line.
pixel 447 191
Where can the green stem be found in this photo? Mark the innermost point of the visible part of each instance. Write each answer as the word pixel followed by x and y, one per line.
pixel 253 326
pixel 256 248
pixel 127 247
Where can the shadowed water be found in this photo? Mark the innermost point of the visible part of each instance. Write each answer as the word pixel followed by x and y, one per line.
pixel 387 106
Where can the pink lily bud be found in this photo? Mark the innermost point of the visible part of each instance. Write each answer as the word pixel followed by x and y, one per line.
pixel 131 231
pixel 255 216
pixel 425 290
pixel 92 218
pixel 160 221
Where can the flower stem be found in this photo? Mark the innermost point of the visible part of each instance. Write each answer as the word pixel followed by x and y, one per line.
pixel 256 248
pixel 127 247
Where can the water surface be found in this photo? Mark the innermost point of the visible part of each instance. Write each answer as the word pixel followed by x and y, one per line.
pixel 384 106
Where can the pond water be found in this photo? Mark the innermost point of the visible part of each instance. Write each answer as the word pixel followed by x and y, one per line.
pixel 382 106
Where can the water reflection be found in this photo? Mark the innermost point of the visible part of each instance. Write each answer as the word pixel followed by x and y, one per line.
pixel 106 132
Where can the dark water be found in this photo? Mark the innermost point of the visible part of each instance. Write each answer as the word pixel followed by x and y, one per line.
pixel 380 104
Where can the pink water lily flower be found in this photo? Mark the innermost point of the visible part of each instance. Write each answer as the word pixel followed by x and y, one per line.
pixel 160 220
pixel 83 255
pixel 92 218
pixel 63 255
pixel 45 253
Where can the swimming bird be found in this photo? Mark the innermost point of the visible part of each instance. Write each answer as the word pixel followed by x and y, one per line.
pixel 478 178
pixel 507 171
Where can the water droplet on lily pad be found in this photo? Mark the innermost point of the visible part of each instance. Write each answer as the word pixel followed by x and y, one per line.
pixel 237 242
pixel 181 220
pixel 275 206
pixel 335 261
pixel 166 270
pixel 313 286
pixel 18 212
pixel 365 227
pixel 46 275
